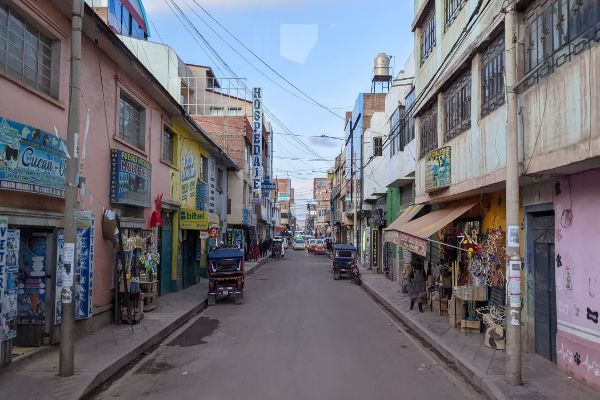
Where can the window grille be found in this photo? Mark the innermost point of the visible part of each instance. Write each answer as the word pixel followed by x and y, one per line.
pixel 130 122
pixel 458 107
pixel 377 146
pixel 168 146
pixel 428 39
pixel 492 76
pixel 394 131
pixel 407 133
pixel 26 53
pixel 453 8
pixel 429 138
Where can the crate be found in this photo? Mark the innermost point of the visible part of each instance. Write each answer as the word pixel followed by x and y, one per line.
pixel 149 287
pixel 471 293
pixel 150 301
pixel 137 314
pixel 440 306
pixel 456 311
pixel 468 325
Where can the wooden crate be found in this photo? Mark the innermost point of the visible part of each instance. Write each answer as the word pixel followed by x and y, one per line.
pixel 440 306
pixel 456 311
pixel 149 287
pixel 150 301
pixel 467 325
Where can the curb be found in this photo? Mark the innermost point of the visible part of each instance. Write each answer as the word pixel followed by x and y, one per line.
pixel 156 339
pixel 257 266
pixel 464 367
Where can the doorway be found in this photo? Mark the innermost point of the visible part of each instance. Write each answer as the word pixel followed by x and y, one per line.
pixel 191 260
pixel 545 286
pixel 166 252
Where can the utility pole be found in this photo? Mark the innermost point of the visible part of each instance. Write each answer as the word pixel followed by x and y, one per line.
pixel 513 258
pixel 352 178
pixel 67 345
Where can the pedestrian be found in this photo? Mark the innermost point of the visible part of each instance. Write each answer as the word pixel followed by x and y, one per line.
pixel 416 287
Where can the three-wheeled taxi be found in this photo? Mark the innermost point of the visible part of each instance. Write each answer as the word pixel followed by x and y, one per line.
pixel 343 257
pixel 225 274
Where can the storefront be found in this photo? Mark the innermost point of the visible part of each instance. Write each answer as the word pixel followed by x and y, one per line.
pixel 194 232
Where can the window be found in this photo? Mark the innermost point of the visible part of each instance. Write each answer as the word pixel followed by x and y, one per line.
pixel 219 180
pixel 204 166
pixel 395 131
pixel 428 35
pixel 215 111
pixel 235 112
pixel 168 146
pixel 377 146
pixel 492 76
pixel 26 53
pixel 131 123
pixel 458 107
pixel 429 139
pixel 407 132
pixel 453 8
pixel 557 30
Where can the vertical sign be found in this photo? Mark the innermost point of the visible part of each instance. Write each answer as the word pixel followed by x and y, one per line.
pixel 375 247
pixel 256 143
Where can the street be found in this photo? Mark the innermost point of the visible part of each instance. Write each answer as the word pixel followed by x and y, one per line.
pixel 298 335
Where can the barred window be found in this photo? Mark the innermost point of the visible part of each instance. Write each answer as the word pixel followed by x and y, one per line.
pixel 453 8
pixel 557 30
pixel 26 53
pixel 131 123
pixel 395 131
pixel 428 40
pixel 458 107
pixel 204 172
pixel 407 133
pixel 219 180
pixel 429 137
pixel 168 146
pixel 377 146
pixel 492 76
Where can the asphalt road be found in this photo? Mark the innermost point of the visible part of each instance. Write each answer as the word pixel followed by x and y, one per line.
pixel 298 335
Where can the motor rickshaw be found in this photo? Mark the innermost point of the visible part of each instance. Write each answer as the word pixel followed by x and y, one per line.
pixel 344 262
pixel 277 248
pixel 225 274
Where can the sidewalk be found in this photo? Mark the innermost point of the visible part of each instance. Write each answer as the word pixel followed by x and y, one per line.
pixel 484 367
pixel 101 355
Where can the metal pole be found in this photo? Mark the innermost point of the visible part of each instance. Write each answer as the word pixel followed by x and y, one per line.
pixel 67 354
pixel 513 259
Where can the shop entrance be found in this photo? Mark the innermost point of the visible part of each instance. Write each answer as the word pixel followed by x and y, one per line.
pixel 545 288
pixel 191 259
pixel 166 252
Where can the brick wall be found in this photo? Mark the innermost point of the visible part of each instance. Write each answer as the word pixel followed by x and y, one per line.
pixel 239 133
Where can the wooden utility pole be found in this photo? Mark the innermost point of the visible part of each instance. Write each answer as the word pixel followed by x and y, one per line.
pixel 67 344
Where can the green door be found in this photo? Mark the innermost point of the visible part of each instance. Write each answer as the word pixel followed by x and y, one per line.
pixel 166 252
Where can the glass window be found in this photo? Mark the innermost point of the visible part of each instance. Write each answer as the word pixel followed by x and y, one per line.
pixel 453 8
pixel 395 130
pixel 235 111
pixel 204 172
pixel 215 111
pixel 429 139
pixel 26 53
pixel 492 76
pixel 219 180
pixel 131 124
pixel 407 131
pixel 428 39
pixel 377 146
pixel 458 107
pixel 168 146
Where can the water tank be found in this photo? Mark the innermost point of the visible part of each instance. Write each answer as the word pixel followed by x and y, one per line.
pixel 382 67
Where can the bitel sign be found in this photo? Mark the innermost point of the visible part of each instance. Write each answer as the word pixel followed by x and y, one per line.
pixel 257 140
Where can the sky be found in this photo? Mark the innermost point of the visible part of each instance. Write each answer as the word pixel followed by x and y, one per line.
pixel 323 47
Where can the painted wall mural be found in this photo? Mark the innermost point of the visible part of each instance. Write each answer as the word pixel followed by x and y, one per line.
pixel 578 274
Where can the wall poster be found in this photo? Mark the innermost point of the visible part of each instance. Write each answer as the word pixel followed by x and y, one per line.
pixel 9 269
pixel 31 281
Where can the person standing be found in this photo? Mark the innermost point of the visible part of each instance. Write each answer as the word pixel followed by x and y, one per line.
pixel 416 287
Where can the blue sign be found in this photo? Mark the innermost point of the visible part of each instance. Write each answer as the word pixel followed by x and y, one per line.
pixel 130 178
pixel 31 160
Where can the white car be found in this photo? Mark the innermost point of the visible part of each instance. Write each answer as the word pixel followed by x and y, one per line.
pixel 298 244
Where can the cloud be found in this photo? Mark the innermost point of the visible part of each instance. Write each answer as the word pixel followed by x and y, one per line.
pixel 158 6
pixel 297 41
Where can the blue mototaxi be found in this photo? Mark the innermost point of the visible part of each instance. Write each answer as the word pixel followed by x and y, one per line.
pixel 225 274
pixel 343 256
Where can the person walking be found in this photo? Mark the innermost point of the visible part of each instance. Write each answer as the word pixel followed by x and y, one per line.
pixel 416 287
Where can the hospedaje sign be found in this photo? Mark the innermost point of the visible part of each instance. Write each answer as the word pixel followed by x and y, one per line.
pixel 130 179
pixel 193 220
pixel 438 169
pixel 256 143
pixel 31 160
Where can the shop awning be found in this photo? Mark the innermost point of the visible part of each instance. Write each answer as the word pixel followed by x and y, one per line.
pixel 413 235
pixel 390 233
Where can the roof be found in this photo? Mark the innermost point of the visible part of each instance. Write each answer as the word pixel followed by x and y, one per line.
pixel 225 253
pixel 344 247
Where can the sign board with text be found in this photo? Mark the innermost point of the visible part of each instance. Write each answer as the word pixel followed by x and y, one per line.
pixel 438 169
pixel 193 220
pixel 257 125
pixel 130 179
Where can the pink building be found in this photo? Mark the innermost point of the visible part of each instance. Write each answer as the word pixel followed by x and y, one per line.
pixel 124 111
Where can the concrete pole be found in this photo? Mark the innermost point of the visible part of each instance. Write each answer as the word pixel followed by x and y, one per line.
pixel 513 259
pixel 67 353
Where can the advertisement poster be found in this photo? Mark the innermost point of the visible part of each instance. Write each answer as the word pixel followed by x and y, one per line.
pixel 31 160
pixel 188 178
pixel 193 220
pixel 438 169
pixel 130 178
pixel 84 268
pixel 9 269
pixel 31 282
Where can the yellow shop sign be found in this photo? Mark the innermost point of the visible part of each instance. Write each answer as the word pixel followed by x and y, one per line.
pixel 193 219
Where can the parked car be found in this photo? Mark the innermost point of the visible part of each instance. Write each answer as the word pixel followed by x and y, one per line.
pixel 298 244
pixel 319 247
